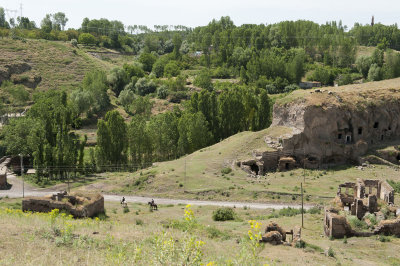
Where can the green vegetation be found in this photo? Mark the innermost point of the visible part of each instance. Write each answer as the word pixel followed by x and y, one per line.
pixel 223 214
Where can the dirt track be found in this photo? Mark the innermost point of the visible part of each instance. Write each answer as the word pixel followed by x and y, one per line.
pixel 16 192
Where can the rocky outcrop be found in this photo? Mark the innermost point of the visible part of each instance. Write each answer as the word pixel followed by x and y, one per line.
pixel 13 71
pixel 77 204
pixel 334 127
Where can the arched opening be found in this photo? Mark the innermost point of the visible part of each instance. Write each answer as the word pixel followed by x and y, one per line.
pixel 398 157
pixel 381 137
pixel 376 124
pixel 348 139
pixel 254 168
pixel 360 130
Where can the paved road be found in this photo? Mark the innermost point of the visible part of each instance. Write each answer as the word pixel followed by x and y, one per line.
pixel 16 192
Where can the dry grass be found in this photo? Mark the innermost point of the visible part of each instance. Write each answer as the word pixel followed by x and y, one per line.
pixel 354 94
pixel 56 62
pixel 116 239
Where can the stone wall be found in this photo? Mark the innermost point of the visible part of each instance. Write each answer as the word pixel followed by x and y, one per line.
pixel 78 205
pixel 336 226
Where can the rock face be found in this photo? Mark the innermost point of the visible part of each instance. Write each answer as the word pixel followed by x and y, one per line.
pixel 12 72
pixel 4 162
pixel 77 204
pixel 336 127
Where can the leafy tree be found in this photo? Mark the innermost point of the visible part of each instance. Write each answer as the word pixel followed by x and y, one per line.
pixel 117 79
pixel 203 80
pixel 171 69
pixel 363 64
pixel 3 21
pixel 193 132
pixel 147 59
pixel 141 106
pixel 95 82
pixel 60 20
pixel 374 73
pixel 81 101
pixel 145 86
pixel 46 24
pixel 264 110
pixel 177 40
pixel 140 144
pixel 87 39
pixel 126 97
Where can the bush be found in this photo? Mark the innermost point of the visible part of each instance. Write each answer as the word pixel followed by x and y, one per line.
pixel 177 96
pixel 145 86
pixel 226 170
pixel 331 253
pixel 223 214
pixel 222 73
pixel 314 210
pixel 171 69
pixel 87 38
pixel 203 80
pixel 162 92
pixel 139 222
pixel 74 42
pixel 356 223
pixel 126 209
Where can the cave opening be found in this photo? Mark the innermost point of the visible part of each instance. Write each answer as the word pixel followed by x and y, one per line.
pixel 376 124
pixel 398 157
pixel 254 168
pixel 339 136
pixel 360 130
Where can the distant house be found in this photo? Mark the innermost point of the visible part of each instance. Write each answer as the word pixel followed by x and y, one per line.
pixel 310 84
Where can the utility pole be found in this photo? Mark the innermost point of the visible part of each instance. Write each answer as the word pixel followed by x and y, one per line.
pixel 302 206
pixel 184 178
pixel 22 175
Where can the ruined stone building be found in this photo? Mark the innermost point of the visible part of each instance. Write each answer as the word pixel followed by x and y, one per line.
pixel 77 204
pixel 316 128
pixel 359 199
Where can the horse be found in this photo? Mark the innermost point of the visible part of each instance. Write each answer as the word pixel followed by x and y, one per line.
pixel 124 204
pixel 152 205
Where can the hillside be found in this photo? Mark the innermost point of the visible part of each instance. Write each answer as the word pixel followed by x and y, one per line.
pixel 56 64
pixel 214 172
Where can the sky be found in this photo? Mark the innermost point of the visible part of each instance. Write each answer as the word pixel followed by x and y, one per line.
pixel 201 12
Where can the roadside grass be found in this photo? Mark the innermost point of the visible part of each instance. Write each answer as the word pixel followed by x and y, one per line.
pixel 131 238
pixel 204 180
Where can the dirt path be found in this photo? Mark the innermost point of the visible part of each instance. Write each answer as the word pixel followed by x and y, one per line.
pixel 16 192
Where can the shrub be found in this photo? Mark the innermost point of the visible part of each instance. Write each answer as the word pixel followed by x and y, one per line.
pixel 223 214
pixel 226 170
pixel 177 96
pixel 289 212
pixel 171 69
pixel 87 38
pixel 314 210
pixel 162 92
pixel 145 86
pixel 139 222
pixel 331 253
pixel 126 209
pixel 74 42
pixel 356 223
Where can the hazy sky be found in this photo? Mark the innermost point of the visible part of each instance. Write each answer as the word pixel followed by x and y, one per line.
pixel 200 12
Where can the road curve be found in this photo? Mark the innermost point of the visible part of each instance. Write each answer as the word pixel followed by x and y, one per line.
pixel 16 192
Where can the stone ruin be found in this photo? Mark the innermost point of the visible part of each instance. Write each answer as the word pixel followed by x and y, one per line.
pixel 4 162
pixel 362 198
pixel 77 204
pixel 275 235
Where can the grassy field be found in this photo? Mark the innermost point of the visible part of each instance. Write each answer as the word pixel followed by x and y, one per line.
pixel 164 237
